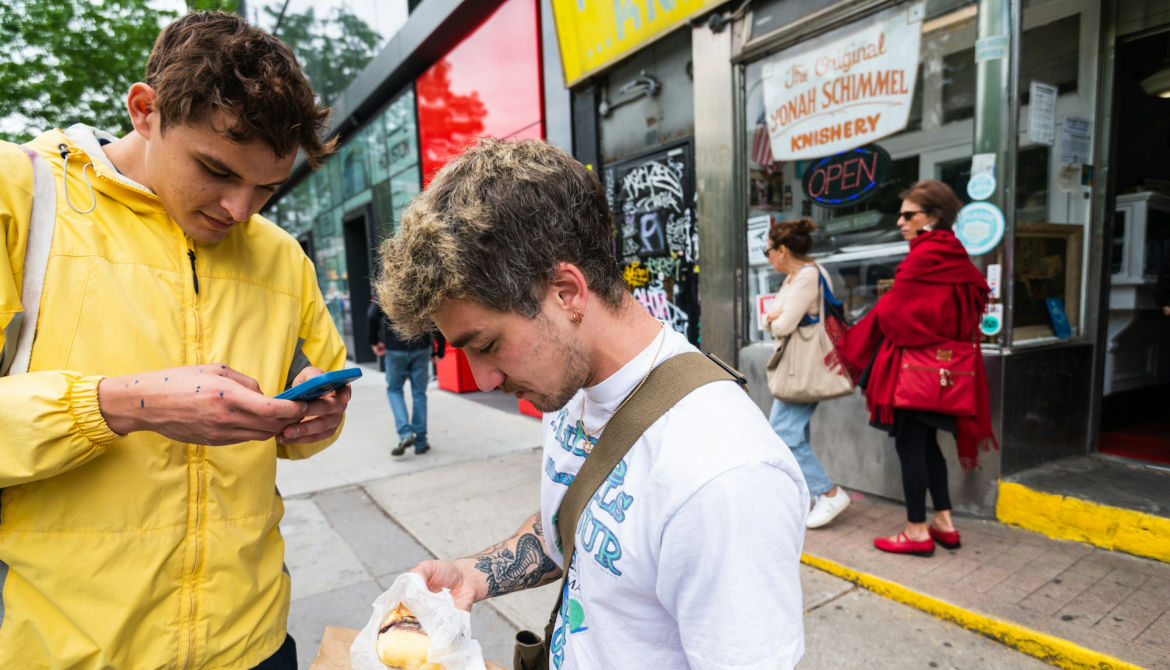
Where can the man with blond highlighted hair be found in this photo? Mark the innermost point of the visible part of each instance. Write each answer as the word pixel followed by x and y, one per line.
pixel 138 456
pixel 688 554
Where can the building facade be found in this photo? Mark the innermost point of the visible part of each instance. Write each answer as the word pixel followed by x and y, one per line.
pixel 706 121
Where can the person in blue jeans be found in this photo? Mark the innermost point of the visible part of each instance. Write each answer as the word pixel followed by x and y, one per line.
pixel 789 244
pixel 405 359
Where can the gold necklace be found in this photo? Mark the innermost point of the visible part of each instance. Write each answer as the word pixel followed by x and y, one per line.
pixel 588 446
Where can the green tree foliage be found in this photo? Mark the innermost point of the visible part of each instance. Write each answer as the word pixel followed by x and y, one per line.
pixel 332 50
pixel 66 62
pixel 212 5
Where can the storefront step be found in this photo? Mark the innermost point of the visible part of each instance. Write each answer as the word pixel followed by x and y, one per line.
pixel 1110 503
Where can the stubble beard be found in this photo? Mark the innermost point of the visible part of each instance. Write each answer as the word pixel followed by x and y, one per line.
pixel 576 375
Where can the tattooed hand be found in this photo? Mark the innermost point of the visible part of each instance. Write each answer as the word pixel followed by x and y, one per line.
pixel 518 563
pixel 447 574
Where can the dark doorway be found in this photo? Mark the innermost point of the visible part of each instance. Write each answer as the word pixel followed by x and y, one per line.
pixel 1134 422
pixel 306 242
pixel 357 268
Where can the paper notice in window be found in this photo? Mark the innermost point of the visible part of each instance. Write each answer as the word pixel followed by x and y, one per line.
pixel 1076 136
pixel 763 304
pixel 1042 113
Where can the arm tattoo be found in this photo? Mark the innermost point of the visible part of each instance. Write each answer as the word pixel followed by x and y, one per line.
pixel 507 571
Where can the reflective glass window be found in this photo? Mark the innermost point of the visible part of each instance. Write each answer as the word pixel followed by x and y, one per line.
pixel 860 244
pixel 1053 181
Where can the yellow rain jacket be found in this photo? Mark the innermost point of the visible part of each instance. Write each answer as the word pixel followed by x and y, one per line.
pixel 140 552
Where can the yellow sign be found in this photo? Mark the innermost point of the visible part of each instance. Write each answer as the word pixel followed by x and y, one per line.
pixel 597 33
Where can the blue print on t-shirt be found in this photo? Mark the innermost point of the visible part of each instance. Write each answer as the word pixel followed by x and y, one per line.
pixel 569 436
pixel 557 643
pixel 620 502
pixel 593 535
pixel 550 469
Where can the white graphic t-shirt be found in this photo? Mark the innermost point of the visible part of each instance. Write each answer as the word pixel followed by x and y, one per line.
pixel 688 555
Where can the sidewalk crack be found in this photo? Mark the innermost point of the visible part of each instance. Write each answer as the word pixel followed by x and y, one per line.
pixel 851 589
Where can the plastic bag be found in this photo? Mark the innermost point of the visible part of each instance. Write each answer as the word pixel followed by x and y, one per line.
pixel 449 627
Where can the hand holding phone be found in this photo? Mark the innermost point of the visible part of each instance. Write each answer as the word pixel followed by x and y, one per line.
pixel 321 384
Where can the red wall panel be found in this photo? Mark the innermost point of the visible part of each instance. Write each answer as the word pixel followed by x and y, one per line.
pixel 489 85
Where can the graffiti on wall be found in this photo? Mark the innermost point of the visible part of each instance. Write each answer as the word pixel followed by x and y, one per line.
pixel 653 200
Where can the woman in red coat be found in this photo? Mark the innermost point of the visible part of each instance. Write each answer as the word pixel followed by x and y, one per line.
pixel 938 295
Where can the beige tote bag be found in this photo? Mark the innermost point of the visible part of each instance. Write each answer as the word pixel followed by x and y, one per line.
pixel 797 371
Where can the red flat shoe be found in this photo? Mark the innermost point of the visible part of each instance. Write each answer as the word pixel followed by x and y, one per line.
pixel 949 539
pixel 904 545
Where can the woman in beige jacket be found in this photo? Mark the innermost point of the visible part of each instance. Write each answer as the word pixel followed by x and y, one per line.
pixel 789 243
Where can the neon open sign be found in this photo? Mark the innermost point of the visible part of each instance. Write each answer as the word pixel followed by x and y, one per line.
pixel 847 178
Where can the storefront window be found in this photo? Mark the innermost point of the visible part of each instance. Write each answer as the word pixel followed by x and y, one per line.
pixel 860 244
pixel 402 151
pixel 1057 84
pixel 354 167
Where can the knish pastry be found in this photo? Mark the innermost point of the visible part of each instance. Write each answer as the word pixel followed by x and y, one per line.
pixel 402 642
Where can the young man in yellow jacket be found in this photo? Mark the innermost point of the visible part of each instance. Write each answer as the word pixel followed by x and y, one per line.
pixel 138 511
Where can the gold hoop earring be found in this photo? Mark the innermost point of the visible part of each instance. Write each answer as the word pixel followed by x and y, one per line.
pixel 577 316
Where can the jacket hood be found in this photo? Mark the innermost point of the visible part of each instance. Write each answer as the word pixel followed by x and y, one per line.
pixel 91 171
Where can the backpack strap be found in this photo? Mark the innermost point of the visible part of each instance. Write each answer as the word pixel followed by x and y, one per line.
pixel 667 384
pixel 21 331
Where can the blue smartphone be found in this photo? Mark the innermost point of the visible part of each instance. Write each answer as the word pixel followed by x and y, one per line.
pixel 321 384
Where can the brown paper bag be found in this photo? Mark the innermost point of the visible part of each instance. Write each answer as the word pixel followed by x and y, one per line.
pixel 334 651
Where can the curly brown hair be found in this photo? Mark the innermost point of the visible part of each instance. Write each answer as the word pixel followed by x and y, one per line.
pixel 207 63
pixel 492 227
pixel 795 234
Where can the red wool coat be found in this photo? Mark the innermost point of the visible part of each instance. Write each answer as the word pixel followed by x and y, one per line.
pixel 937 295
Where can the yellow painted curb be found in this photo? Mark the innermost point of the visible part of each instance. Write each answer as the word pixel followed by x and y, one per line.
pixel 1067 518
pixel 1052 650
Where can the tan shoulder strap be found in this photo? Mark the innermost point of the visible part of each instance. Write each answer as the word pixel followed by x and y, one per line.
pixel 21 330
pixel 668 383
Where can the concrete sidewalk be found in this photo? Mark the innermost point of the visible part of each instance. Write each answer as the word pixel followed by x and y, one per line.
pixel 357 517
pixel 1075 604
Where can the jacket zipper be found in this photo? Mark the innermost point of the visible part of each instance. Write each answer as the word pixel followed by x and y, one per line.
pixel 907 366
pixel 194 277
pixel 945 377
pixel 196 482
pixel 196 476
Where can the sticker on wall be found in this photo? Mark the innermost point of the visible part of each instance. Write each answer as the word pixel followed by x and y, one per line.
pixel 992 321
pixel 979 227
pixel 981 186
pixel 991 48
pixel 757 239
pixel 994 276
pixel 1042 112
pixel 983 164
pixel 982 183
pixel 763 305
pixel 1076 141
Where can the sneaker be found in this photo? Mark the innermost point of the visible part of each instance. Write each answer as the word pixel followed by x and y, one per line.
pixel 827 508
pixel 402 445
pixel 422 448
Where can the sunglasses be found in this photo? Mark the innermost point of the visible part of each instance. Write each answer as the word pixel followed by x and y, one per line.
pixel 768 250
pixel 910 214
